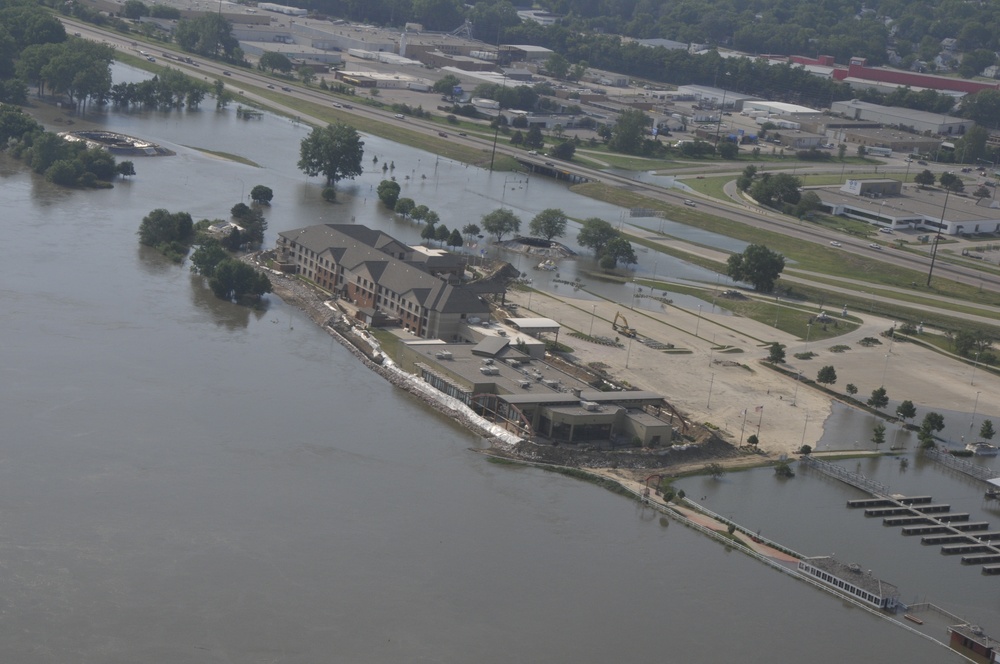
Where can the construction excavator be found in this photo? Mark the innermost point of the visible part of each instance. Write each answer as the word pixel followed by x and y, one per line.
pixel 623 327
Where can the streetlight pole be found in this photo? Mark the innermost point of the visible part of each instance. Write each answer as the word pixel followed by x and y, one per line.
pixel 697 325
pixel 496 133
pixel 795 396
pixel 628 353
pixel 937 238
pixel 972 381
pixel 974 409
pixel 710 384
pixel 593 313
pixel 722 109
pixel 884 368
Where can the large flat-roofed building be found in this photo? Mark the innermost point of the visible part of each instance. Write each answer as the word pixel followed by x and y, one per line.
pixel 534 399
pixel 888 137
pixel 509 53
pixel 778 108
pixel 890 204
pixel 418 287
pixel 907 118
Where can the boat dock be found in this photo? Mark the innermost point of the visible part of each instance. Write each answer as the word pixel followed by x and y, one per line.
pixel 935 523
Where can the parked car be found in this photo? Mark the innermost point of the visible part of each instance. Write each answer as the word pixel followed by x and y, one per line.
pixel 226 73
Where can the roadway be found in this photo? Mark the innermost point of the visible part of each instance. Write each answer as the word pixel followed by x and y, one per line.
pixel 764 220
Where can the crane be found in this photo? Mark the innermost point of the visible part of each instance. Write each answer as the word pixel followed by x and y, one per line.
pixel 623 328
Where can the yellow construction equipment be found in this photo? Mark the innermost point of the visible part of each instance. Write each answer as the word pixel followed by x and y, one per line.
pixel 623 328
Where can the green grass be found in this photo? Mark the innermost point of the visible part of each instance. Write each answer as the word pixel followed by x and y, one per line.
pixel 806 255
pixel 226 155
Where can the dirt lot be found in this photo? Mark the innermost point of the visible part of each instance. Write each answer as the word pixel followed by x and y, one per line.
pixel 716 387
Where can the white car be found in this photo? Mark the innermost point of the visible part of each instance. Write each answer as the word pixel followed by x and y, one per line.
pixel 876 247
pixel 886 230
pixel 834 243
pixel 688 201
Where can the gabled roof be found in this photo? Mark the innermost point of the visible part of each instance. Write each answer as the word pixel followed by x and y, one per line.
pixel 376 256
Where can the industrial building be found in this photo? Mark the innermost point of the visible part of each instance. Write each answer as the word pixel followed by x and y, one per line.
pixel 889 204
pixel 904 118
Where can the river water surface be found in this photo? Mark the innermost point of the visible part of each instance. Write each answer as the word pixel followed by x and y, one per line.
pixel 183 480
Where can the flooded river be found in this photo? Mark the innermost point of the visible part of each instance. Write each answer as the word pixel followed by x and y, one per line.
pixel 183 480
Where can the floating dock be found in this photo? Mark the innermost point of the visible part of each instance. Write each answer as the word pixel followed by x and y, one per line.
pixel 935 523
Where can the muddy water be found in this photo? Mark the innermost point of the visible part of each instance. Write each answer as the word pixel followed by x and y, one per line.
pixel 182 480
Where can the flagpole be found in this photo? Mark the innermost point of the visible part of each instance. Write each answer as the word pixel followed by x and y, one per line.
pixel 743 426
pixel 760 420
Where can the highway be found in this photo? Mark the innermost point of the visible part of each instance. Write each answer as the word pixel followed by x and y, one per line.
pixel 764 220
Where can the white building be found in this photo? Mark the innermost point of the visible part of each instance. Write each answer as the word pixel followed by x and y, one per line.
pixel 917 121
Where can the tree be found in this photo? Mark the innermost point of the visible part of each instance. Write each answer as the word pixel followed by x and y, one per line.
pixel 728 150
pixel 932 423
pixel 775 189
pixel 618 250
pixel 878 435
pixel 235 280
pixel 428 233
pixel 564 150
pixel 455 239
pixel 446 85
pixel 210 34
pixel 404 206
pixel 827 375
pixel 441 233
pixel 500 222
pixel 207 257
pixel 841 151
pixel 951 182
pixel 714 470
pixel 906 410
pixel 851 389
pixel 162 227
pixel 924 178
pixel 757 266
pixel 595 234
pixel 862 151
pixel 776 353
pixel 334 151
pixel 134 9
pixel 274 61
pixel 557 66
pixel 388 193
pixel 986 431
pixel 983 107
pixel 628 132
pixel 548 223
pixel 878 399
pixel 261 195
pixel 981 192
pixel 471 231
pixel 419 213
pixel 125 168
pixel 753 440
pixel 534 138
